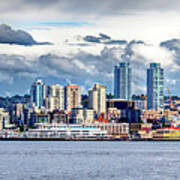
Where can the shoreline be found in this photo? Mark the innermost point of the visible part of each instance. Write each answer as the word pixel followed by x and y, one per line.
pixel 84 139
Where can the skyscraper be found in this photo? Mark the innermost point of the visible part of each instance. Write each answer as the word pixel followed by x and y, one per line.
pixel 38 93
pixel 155 86
pixel 72 97
pixel 122 81
pixel 56 97
pixel 97 99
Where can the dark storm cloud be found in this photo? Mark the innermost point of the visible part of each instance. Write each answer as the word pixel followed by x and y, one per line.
pixel 173 44
pixel 83 68
pixel 19 37
pixel 89 7
pixel 79 44
pixel 103 39
pixel 14 65
pixel 104 6
pixel 128 51
pixel 92 39
pixel 104 36
pixel 120 42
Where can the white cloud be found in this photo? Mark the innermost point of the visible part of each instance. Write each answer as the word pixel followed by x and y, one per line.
pixel 154 53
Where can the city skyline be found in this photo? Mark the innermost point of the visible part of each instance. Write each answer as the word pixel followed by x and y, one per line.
pixel 124 83
pixel 89 89
pixel 63 46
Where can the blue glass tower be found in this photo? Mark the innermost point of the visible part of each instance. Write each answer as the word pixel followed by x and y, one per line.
pixel 155 86
pixel 38 93
pixel 122 81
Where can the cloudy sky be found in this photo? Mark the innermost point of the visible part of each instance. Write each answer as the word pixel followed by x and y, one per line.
pixel 80 41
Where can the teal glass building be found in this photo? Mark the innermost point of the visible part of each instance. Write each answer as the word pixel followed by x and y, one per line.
pixel 38 93
pixel 155 86
pixel 122 81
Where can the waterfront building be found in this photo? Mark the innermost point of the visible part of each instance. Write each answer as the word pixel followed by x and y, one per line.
pixel 146 131
pixel 82 116
pixel 72 97
pixel 19 109
pixel 56 97
pixel 88 116
pixel 97 99
pixel 38 94
pixel 122 81
pixel 155 86
pixel 128 111
pixel 77 115
pixel 115 129
pixel 58 117
pixel 4 119
pixel 40 117
pixel 113 114
pixel 120 104
pixel 27 115
pixel 19 114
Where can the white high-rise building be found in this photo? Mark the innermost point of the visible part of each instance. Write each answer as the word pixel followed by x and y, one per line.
pixel 56 97
pixel 97 99
pixel 72 97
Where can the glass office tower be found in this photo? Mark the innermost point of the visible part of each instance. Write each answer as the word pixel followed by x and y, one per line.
pixel 38 93
pixel 122 81
pixel 155 86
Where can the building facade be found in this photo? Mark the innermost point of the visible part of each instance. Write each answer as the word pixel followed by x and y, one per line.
pixel 4 119
pixel 81 115
pixel 115 129
pixel 72 97
pixel 97 99
pixel 155 86
pixel 122 81
pixel 38 94
pixel 56 97
pixel 127 110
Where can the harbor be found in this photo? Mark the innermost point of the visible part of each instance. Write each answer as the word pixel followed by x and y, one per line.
pixel 95 132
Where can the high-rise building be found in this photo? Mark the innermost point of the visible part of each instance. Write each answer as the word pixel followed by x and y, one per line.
pixel 72 97
pixel 97 99
pixel 155 86
pixel 122 81
pixel 19 109
pixel 56 97
pixel 38 93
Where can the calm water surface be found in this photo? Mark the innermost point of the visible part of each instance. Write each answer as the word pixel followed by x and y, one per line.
pixel 89 160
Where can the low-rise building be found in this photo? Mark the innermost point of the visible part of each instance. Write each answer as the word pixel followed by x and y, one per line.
pixel 115 129
pixel 80 115
pixel 39 118
pixel 125 110
pixel 88 116
pixel 4 118
pixel 58 117
pixel 146 131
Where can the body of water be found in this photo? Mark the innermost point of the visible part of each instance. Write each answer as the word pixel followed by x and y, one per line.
pixel 89 160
